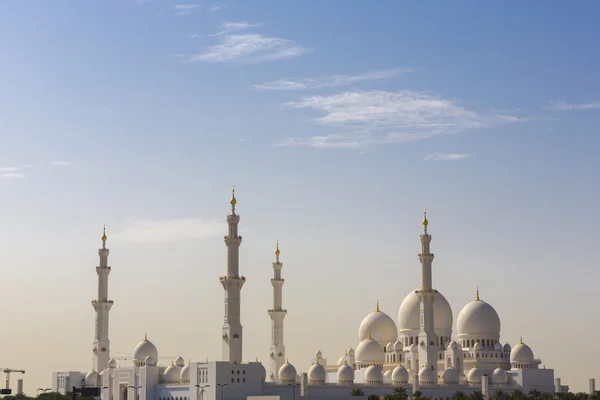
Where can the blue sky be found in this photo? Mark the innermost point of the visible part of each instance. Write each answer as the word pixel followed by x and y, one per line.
pixel 338 122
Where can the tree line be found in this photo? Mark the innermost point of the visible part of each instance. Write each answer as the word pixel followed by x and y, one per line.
pixel 401 393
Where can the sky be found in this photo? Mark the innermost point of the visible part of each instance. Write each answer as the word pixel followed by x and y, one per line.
pixel 338 122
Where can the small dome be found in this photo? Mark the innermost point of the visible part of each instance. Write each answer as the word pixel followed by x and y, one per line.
pixel 185 373
pixel 380 327
pixel 427 376
pixel 144 349
pixel 149 361
pixel 451 375
pixel 317 374
pixel 373 375
pixel 498 347
pixel 389 347
pixel 477 347
pixel 413 348
pixel 409 314
pixel 112 363
pixel 369 351
pixel 507 348
pixel 475 375
pixel 350 352
pixel 398 346
pixel 478 318
pixel 453 345
pixel 345 374
pixel 287 373
pixel 399 375
pixel 91 379
pixel 179 362
pixel 499 376
pixel 171 374
pixel 318 355
pixel 521 353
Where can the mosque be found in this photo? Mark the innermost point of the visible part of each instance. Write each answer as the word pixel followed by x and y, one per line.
pixel 419 353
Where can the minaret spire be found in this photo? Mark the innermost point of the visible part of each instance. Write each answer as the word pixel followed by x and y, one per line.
pixel 232 284
pixel 428 347
pixel 277 314
pixel 102 307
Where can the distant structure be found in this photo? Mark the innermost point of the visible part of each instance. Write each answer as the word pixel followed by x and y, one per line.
pixel 420 353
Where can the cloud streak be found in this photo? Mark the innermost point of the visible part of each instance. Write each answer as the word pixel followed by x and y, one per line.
pixel 361 118
pixel 564 106
pixel 246 48
pixel 185 9
pixel 331 81
pixel 167 231
pixel 250 48
pixel 445 157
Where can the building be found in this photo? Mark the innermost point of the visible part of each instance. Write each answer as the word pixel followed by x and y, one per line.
pixel 420 353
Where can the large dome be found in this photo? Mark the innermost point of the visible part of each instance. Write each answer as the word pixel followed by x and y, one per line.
pixel 369 351
pixel 409 314
pixel 381 327
pixel 317 374
pixel 399 375
pixel 345 374
pixel 144 349
pixel 478 318
pixel 287 373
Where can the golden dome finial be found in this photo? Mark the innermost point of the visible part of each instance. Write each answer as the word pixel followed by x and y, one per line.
pixel 346 353
pixel 145 337
pixel 206 361
pixel 287 360
pixel 172 363
pixel 104 234
pixel 369 336
pixel 477 294
pixel 377 306
pixel 189 361
pixel 521 340
pixel 425 222
pixel 277 252
pixel 233 201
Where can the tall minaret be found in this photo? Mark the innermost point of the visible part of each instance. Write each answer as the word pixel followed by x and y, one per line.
pixel 427 338
pixel 277 314
pixel 102 306
pixel 232 283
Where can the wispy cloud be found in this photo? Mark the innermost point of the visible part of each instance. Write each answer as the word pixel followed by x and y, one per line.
pixel 165 231
pixel 239 26
pixel 249 48
pixel 445 157
pixel 331 81
pixel 185 9
pixel 217 7
pixel 61 163
pixel 564 106
pixel 11 172
pixel 363 118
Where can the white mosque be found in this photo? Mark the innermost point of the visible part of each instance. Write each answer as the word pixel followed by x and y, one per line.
pixel 420 353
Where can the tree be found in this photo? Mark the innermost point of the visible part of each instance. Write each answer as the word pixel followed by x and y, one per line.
pixel 357 392
pixel 499 395
pixel 417 394
pixel 459 396
pixel 518 395
pixel 372 397
pixel 534 394
pixel 400 393
pixel 477 395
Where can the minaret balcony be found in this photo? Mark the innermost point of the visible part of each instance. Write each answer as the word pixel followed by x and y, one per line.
pixel 226 278
pixel 275 311
pixel 101 302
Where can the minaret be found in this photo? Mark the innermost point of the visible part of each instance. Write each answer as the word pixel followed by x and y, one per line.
pixel 427 338
pixel 232 283
pixel 102 306
pixel 277 314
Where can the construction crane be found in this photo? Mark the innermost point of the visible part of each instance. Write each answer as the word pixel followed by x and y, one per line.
pixel 7 371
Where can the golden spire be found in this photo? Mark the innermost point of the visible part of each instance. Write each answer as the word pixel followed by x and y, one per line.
pixel 521 340
pixel 233 201
pixel 257 359
pixel 425 222
pixel 377 307
pixel 172 363
pixel 104 234
pixel 189 361
pixel 277 252
pixel 145 337
pixel 369 336
pixel 287 360
pixel 477 294
pixel 346 353
pixel 206 360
